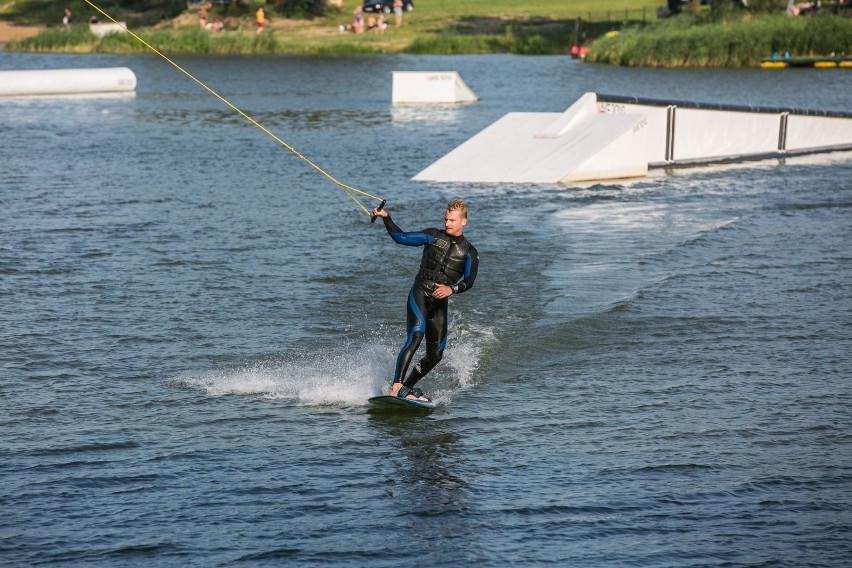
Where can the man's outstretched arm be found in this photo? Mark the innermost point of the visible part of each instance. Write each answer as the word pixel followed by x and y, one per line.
pixel 401 237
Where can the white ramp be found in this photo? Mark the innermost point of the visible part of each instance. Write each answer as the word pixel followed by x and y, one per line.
pixel 420 87
pixel 604 137
pixel 544 147
pixel 67 81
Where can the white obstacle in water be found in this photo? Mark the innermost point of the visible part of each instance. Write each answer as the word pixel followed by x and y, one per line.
pixel 67 81
pixel 102 29
pixel 608 137
pixel 430 87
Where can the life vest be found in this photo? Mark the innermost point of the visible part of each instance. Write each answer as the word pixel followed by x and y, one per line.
pixel 443 261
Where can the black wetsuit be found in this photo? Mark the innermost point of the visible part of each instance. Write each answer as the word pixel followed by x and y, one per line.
pixel 447 260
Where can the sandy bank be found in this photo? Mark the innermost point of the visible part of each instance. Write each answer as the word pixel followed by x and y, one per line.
pixel 9 31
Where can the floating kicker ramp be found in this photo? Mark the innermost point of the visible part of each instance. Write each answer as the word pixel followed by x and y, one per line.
pixel 435 87
pixel 603 137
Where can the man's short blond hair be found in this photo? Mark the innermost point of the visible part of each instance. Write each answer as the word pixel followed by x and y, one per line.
pixel 458 205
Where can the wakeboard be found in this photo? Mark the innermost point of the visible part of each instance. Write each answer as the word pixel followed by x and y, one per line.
pixel 389 402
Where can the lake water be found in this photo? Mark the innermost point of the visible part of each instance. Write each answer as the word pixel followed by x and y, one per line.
pixel 652 373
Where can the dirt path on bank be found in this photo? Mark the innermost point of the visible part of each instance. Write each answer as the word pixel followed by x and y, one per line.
pixel 8 31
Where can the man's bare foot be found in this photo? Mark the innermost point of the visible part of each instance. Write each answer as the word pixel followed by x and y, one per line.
pixel 413 394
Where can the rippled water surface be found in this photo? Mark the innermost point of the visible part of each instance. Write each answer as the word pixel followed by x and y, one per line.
pixel 654 373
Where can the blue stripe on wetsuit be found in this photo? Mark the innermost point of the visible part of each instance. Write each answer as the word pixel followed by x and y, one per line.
pixel 412 239
pixel 421 328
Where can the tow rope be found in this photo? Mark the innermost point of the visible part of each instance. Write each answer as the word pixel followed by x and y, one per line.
pixel 349 190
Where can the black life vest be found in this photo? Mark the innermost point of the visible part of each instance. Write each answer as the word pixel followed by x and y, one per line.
pixel 443 261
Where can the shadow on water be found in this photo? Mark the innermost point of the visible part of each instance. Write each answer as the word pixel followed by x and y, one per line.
pixel 430 489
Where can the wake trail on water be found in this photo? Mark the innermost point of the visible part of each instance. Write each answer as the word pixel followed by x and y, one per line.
pixel 341 376
pixel 617 249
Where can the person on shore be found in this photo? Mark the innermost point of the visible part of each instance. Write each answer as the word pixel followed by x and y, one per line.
pixel 397 11
pixel 202 17
pixel 358 22
pixel 372 24
pixel 260 18
pixel 449 266
pixel 66 19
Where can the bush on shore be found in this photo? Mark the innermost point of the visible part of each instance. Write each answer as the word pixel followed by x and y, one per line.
pixel 519 42
pixel 674 43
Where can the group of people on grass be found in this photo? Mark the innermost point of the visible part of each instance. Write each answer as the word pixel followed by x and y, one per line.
pixel 66 19
pixel 372 24
pixel 217 25
pixel 358 26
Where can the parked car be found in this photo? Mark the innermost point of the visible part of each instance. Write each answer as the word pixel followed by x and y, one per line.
pixel 386 6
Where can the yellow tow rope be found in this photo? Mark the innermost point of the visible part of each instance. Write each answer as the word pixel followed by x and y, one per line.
pixel 349 190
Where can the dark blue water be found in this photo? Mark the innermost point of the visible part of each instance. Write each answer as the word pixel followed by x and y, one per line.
pixel 653 373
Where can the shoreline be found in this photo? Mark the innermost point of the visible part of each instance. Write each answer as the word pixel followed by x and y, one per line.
pixel 726 45
pixel 321 36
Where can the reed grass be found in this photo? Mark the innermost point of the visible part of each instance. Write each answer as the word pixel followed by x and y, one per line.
pixel 728 44
pixel 195 41
pixel 76 40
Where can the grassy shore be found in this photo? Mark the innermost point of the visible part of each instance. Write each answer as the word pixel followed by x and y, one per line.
pixel 435 26
pixel 727 44
pixel 449 27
